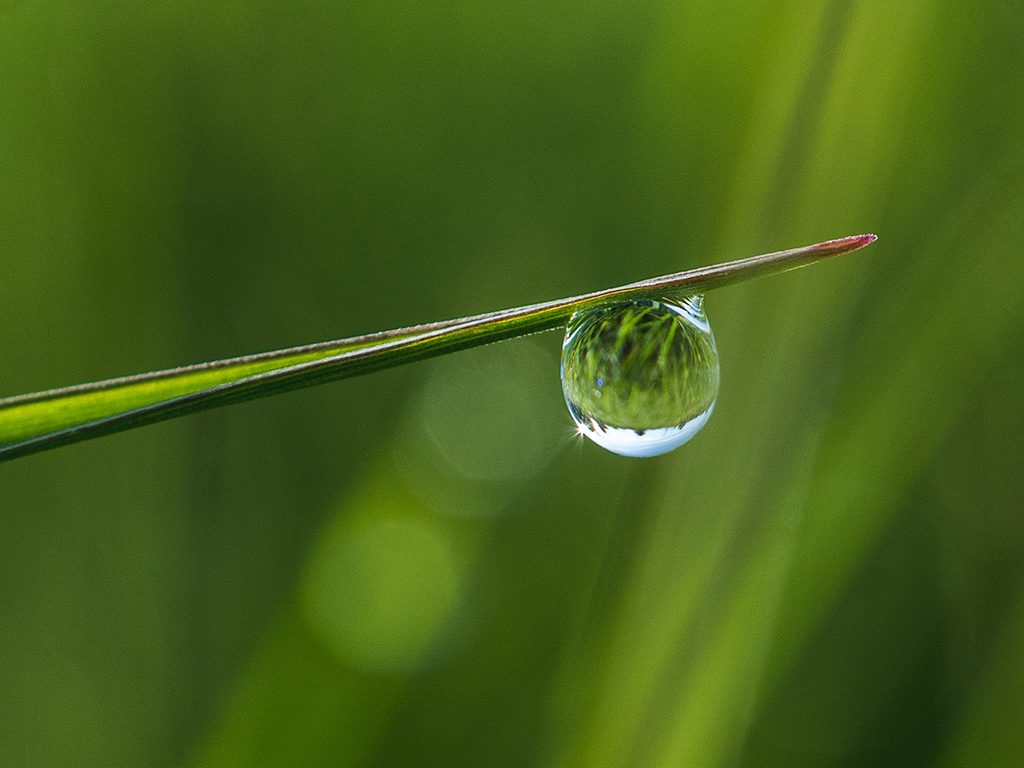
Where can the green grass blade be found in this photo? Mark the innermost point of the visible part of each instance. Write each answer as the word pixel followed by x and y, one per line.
pixel 44 420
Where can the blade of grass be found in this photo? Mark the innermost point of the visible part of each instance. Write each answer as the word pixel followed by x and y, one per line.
pixel 44 420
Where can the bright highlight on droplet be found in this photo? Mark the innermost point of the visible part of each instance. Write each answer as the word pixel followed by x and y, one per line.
pixel 640 378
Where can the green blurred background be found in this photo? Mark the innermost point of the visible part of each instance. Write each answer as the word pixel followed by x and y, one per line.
pixel 424 566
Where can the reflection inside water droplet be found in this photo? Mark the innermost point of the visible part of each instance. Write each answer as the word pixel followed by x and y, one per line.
pixel 640 378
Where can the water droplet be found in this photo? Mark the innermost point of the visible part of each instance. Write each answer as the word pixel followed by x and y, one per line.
pixel 640 378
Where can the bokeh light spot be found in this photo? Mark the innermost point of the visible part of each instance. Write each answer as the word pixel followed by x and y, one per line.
pixel 381 593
